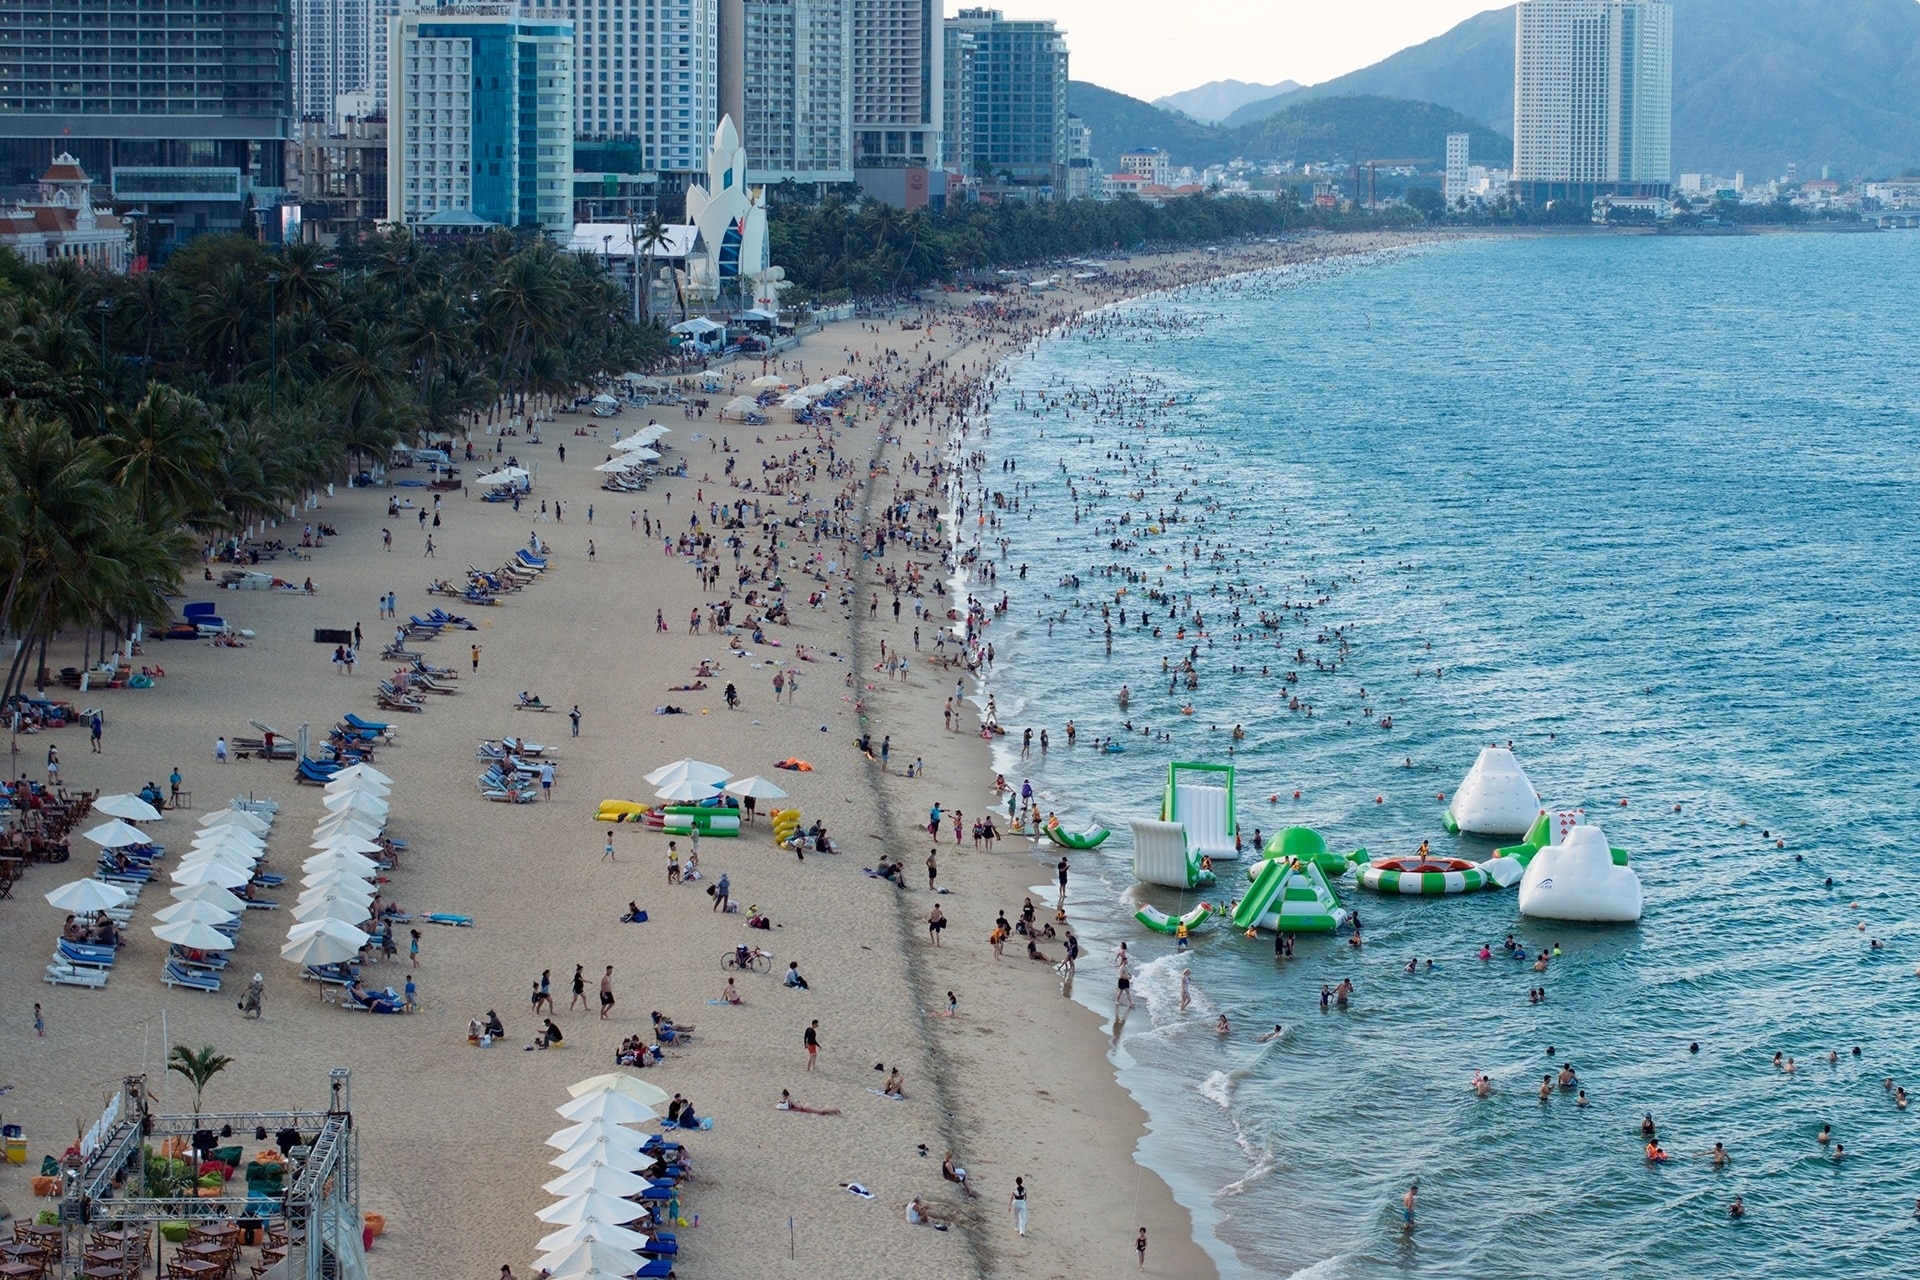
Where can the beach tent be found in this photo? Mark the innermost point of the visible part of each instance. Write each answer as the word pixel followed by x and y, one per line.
pixel 132 808
pixel 86 896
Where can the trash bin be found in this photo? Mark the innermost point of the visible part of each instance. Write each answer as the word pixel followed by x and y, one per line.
pixel 251 1230
pixel 16 1142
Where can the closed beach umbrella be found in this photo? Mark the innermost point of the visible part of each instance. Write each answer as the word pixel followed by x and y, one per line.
pixel 595 1131
pixel 211 894
pixel 321 948
pixel 603 1178
pixel 355 771
pixel 223 874
pixel 627 1086
pixel 684 789
pixel 132 808
pixel 592 1229
pixel 116 835
pixel 607 1105
pixel 590 1255
pixel 196 934
pixel 345 842
pixel 85 896
pixel 345 910
pixel 615 1156
pixel 756 787
pixel 590 1206
pixel 696 770
pixel 192 909
pixel 235 818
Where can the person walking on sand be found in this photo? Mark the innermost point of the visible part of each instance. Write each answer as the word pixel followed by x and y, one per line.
pixel 413 947
pixel 476 657
pixel 811 1039
pixel 606 993
pixel 1018 1203
pixel 936 922
pixel 607 854
pixel 933 869
pixel 94 725
pixel 39 1021
pixel 1140 1247
pixel 721 889
pixel 574 716
pixel 579 989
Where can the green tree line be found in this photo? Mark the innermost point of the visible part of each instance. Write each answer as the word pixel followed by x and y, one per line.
pixel 142 415
pixel 838 248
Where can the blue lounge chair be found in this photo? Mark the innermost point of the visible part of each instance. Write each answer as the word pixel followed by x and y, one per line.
pixel 316 773
pixel 374 726
pixel 657 1267
pixel 448 918
pixel 196 979
pixel 333 975
pixel 85 955
pixel 212 962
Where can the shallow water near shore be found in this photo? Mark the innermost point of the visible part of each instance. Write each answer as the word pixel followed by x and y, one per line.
pixel 1649 504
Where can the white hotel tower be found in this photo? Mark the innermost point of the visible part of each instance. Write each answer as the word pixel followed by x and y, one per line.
pixel 1592 99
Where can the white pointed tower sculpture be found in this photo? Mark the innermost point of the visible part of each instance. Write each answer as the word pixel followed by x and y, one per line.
pixel 732 219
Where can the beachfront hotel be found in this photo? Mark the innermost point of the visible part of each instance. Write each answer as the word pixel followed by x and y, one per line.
pixel 479 118
pixel 1592 100
pixel 797 92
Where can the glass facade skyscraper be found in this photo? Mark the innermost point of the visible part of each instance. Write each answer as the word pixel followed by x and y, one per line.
pixel 1592 100
pixel 1007 103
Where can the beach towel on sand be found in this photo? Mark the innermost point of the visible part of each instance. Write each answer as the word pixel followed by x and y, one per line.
pixel 858 1190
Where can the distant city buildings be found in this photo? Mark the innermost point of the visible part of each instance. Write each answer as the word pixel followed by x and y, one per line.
pixel 1593 99
pixel 798 90
pixel 332 41
pixel 480 119
pixel 1459 182
pixel 897 92
pixel 180 110
pixel 1150 163
pixel 1010 88
pixel 62 222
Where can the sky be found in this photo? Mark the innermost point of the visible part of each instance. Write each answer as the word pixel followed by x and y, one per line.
pixel 1149 47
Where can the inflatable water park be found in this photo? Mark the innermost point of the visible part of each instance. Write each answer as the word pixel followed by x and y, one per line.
pixel 1563 865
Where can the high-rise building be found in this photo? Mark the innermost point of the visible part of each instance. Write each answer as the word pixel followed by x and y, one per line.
pixel 1083 171
pixel 1459 153
pixel 180 108
pixel 1014 92
pixel 1593 99
pixel 957 48
pixel 648 74
pixel 480 118
pixel 896 83
pixel 797 90
pixel 331 41
pixel 380 16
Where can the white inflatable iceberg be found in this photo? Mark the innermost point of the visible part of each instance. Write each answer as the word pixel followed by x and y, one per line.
pixel 1580 879
pixel 1495 798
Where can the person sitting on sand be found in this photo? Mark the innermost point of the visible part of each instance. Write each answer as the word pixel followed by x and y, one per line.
pixel 730 994
pixel 919 1215
pixel 954 1173
pixel 787 1103
pixel 1035 953
pixel 550 1036
pixel 895 1087
pixel 633 913
pixel 793 978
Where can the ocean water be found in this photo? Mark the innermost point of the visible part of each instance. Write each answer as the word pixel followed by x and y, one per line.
pixel 1650 508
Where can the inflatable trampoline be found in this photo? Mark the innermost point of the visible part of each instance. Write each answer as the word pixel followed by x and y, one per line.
pixel 1425 877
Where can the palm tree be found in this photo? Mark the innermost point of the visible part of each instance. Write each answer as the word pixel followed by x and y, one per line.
pixel 199 1069
pixel 161 453
pixel 653 238
pixel 222 318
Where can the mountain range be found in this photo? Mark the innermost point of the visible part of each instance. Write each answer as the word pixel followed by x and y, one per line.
pixel 1216 100
pixel 1757 84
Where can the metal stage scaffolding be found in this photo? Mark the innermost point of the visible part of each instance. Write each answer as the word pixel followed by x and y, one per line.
pixel 319 1205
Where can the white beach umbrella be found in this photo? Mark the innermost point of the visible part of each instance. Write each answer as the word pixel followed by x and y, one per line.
pixel 505 475
pixel 351 772
pixel 330 928
pixel 590 1206
pixel 768 381
pixel 333 884
pixel 232 857
pixel 345 842
pixel 621 1083
pixel 196 934
pixel 193 909
pixel 592 1255
pixel 236 818
pixel 686 789
pixel 340 860
pixel 356 802
pixel 603 1232
pixel 345 891
pixel 757 787
pixel 237 844
pixel 358 782
pixel 603 1178
pixel 88 895
pixel 226 875
pixel 322 948
pixel 370 789
pixel 117 834
pixel 132 808
pixel 595 1131
pixel 631 444
pixel 350 823
pixel 614 1156
pixel 642 454
pixel 697 770
pixel 231 833
pixel 607 1105
pixel 586 1272
pixel 345 910
pixel 211 894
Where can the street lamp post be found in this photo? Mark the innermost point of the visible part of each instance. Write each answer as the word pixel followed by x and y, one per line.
pixel 273 347
pixel 103 307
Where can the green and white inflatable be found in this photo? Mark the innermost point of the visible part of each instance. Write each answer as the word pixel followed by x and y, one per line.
pixel 1289 896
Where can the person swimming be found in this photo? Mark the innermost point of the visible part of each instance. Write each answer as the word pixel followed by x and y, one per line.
pixel 1825 1135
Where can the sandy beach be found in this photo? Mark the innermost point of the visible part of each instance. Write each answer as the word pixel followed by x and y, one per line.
pixel 1016 1084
